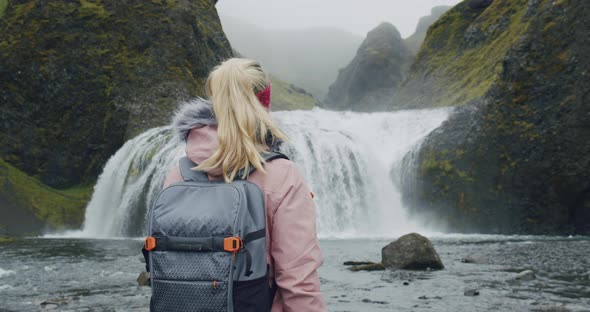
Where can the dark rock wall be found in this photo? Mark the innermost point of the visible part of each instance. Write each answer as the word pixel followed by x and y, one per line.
pixel 518 159
pixel 78 78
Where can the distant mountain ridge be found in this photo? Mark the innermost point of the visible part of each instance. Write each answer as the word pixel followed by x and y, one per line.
pixel 372 77
pixel 309 58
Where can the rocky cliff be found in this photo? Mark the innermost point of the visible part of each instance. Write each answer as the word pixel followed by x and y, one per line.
pixel 373 76
pixel 415 40
pixel 78 78
pixel 517 158
pixel 463 52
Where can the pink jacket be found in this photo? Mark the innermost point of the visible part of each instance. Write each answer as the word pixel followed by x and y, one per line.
pixel 294 252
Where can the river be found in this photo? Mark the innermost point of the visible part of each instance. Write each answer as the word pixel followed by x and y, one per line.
pixel 99 275
pixel 352 163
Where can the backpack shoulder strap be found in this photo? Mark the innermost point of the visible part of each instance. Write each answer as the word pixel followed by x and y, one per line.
pixel 268 157
pixel 188 174
pixel 274 155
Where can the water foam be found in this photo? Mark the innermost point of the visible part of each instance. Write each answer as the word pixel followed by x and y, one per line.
pixel 4 273
pixel 348 160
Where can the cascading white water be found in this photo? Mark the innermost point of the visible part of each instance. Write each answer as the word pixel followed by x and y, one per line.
pixel 347 159
pixel 130 180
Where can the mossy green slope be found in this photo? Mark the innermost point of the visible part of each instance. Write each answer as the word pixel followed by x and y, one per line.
pixel 78 78
pixel 286 96
pixel 415 40
pixel 462 54
pixel 3 4
pixel 28 206
pixel 517 160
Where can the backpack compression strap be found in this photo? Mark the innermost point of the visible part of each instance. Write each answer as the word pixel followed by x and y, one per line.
pixel 202 244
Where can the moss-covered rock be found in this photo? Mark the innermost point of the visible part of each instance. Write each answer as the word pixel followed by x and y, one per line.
pixel 77 78
pixel 463 52
pixel 3 4
pixel 373 76
pixel 27 206
pixel 517 160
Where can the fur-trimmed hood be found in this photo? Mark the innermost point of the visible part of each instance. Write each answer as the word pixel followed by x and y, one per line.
pixel 194 114
pixel 199 113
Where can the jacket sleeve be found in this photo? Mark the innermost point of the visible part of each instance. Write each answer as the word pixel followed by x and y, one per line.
pixel 295 248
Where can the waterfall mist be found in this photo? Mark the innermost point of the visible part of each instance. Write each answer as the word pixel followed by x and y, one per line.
pixel 348 160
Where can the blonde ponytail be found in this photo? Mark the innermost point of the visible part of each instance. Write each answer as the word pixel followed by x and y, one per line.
pixel 244 125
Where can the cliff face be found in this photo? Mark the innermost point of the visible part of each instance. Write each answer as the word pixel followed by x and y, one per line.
pixel 415 40
pixel 78 78
pixel 463 52
pixel 516 160
pixel 373 76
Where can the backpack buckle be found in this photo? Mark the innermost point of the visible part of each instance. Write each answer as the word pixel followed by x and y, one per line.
pixel 150 244
pixel 232 244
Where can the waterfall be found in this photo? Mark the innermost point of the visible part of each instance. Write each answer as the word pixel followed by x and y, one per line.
pixel 347 159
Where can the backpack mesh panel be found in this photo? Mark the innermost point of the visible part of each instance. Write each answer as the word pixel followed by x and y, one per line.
pixel 180 296
pixel 200 266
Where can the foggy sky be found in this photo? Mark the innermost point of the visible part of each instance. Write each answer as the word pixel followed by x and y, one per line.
pixel 357 16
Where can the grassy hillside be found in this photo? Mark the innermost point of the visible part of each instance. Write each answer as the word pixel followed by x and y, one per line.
pixel 28 205
pixel 462 54
pixel 415 40
pixel 286 96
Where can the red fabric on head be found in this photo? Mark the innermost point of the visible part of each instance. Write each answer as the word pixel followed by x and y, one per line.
pixel 264 97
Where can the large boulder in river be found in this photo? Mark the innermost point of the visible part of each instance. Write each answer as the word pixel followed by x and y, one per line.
pixel 373 76
pixel 517 159
pixel 411 252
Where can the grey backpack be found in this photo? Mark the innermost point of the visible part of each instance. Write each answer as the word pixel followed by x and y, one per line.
pixel 206 245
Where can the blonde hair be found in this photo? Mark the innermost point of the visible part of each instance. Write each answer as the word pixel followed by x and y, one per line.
pixel 244 125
